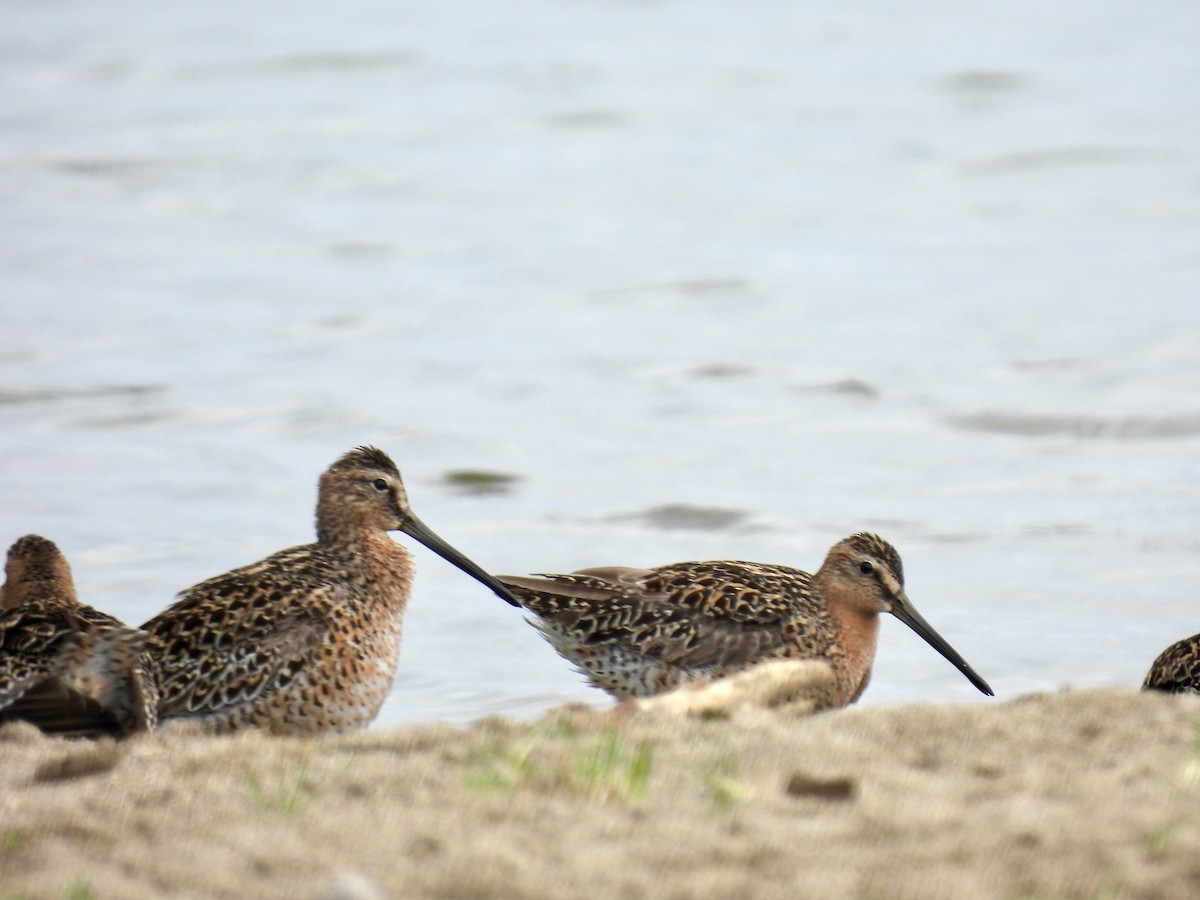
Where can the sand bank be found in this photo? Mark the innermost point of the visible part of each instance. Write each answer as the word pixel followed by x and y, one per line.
pixel 1077 794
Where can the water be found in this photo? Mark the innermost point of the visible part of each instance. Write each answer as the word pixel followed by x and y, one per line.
pixel 708 281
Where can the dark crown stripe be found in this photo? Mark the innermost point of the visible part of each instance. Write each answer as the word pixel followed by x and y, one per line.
pixel 366 457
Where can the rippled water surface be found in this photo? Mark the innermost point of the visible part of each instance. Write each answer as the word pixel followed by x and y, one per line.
pixel 619 283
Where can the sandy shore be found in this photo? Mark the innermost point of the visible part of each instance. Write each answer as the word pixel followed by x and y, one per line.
pixel 1078 794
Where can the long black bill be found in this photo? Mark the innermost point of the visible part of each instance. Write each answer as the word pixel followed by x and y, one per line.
pixel 418 530
pixel 903 610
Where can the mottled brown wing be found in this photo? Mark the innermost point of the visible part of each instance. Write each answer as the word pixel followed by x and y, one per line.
pixel 233 640
pixel 60 668
pixel 694 614
pixel 1177 669
pixel 32 638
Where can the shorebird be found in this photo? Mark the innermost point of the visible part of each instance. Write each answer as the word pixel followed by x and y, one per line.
pixel 639 632
pixel 1177 669
pixel 68 668
pixel 307 640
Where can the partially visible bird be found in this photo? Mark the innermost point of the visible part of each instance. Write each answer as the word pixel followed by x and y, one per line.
pixel 68 668
pixel 1177 669
pixel 307 640
pixel 639 632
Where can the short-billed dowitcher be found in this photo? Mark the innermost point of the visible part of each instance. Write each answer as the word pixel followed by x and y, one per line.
pixel 65 667
pixel 308 639
pixel 1177 669
pixel 638 632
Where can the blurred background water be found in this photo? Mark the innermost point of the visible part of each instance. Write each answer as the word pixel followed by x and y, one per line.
pixel 704 280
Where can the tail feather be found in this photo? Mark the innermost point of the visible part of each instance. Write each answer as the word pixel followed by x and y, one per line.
pixel 58 710
pixel 89 681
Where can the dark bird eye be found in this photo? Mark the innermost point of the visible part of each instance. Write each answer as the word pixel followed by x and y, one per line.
pixel 866 568
pixel 379 484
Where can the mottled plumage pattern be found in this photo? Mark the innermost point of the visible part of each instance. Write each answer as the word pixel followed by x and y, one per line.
pixel 308 639
pixel 65 667
pixel 638 632
pixel 1177 669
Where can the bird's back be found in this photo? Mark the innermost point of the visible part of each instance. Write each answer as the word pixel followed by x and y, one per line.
pixel 636 632
pixel 1177 669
